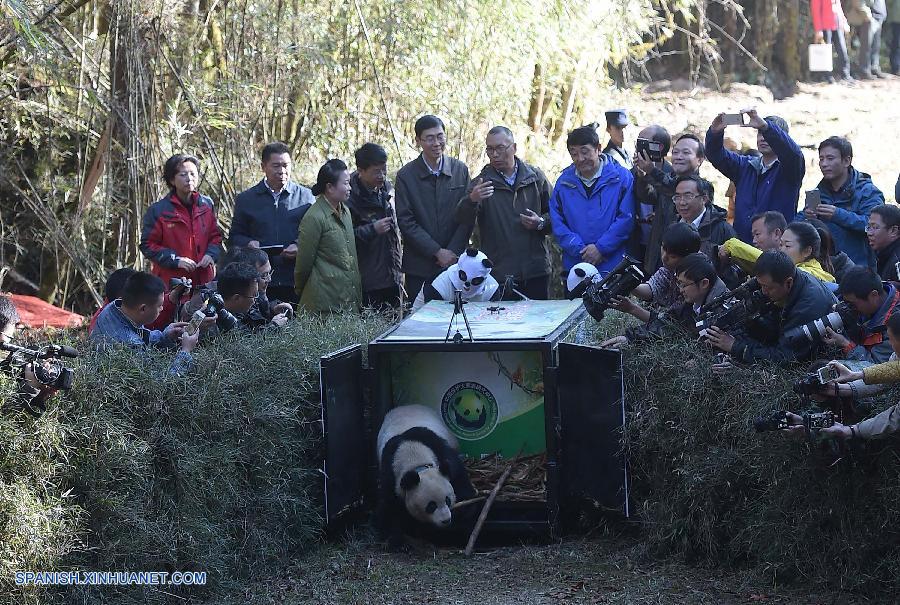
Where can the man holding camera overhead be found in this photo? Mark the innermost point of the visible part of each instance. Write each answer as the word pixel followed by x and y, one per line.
pixel 769 182
pixel 654 183
pixel 799 299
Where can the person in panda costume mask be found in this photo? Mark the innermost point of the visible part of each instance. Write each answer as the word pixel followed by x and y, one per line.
pixel 579 278
pixel 471 276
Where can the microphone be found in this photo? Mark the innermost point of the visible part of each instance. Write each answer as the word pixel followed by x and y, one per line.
pixel 62 350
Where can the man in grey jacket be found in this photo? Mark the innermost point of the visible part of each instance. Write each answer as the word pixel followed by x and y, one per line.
pixel 510 201
pixel 268 216
pixel 426 192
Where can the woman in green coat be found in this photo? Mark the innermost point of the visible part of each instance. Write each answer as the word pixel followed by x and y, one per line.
pixel 326 274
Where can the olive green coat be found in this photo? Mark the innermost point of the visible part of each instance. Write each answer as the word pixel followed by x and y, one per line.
pixel 326 273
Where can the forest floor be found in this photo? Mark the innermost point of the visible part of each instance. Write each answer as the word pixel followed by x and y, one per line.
pixel 604 570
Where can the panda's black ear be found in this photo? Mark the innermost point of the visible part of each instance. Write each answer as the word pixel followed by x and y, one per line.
pixel 409 480
pixel 471 252
pixel 580 272
pixel 487 263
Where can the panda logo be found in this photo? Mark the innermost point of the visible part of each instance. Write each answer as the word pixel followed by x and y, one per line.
pixel 469 410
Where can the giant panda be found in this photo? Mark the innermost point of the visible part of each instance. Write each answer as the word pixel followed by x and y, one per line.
pixel 420 475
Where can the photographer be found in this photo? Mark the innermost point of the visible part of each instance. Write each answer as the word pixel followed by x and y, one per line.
pixel 698 282
pixel 799 298
pixel 875 302
pixel 883 233
pixel 661 290
pixel 264 309
pixel 31 395
pixel 887 422
pixel 800 241
pixel 655 184
pixel 123 320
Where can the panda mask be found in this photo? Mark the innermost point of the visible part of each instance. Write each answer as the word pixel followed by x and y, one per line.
pixel 579 277
pixel 470 273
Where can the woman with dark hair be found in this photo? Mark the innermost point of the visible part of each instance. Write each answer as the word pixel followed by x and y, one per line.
pixel 838 262
pixel 326 273
pixel 800 241
pixel 179 233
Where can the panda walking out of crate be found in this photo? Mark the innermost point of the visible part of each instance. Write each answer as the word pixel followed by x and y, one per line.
pixel 421 476
pixel 471 276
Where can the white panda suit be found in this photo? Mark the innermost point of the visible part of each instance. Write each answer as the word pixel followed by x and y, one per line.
pixel 420 473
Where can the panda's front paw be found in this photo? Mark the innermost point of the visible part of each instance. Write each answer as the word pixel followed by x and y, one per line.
pixel 399 542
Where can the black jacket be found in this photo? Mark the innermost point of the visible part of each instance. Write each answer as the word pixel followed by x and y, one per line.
pixel 714 229
pixel 887 262
pixel 512 248
pixel 655 188
pixel 258 217
pixel 378 254
pixel 426 213
pixel 809 299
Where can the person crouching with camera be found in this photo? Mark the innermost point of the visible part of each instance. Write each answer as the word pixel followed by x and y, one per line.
pixel 32 394
pixel 698 282
pixel 799 299
pixel 875 302
pixel 887 422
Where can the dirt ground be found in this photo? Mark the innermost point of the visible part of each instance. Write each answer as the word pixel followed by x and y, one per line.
pixel 581 571
pixel 572 572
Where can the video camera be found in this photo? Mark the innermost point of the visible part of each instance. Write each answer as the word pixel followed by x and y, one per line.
pixel 777 420
pixel 843 319
pixel 625 277
pixel 47 368
pixel 734 308
pixel 215 307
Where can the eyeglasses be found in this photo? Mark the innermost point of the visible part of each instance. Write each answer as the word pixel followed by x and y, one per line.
pixel 683 285
pixel 685 197
pixel 870 227
pixel 498 150
pixel 267 276
pixel 434 138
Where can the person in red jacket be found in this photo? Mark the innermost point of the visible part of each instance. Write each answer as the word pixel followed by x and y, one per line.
pixel 179 233
pixel 829 25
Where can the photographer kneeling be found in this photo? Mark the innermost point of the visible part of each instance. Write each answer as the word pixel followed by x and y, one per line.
pixel 698 282
pixel 32 394
pixel 887 422
pixel 876 302
pixel 799 299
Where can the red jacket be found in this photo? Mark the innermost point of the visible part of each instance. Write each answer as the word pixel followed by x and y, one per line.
pixel 823 16
pixel 170 230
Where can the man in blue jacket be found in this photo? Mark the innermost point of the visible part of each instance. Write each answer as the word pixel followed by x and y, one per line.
pixel 591 205
pixel 848 197
pixel 769 182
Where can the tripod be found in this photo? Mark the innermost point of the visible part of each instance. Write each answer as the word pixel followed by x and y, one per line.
pixel 458 309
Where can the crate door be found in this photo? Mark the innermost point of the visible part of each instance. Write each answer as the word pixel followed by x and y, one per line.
pixel 343 426
pixel 592 418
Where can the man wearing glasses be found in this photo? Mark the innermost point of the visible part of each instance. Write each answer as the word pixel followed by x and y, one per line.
pixel 883 233
pixel 427 191
pixel 509 200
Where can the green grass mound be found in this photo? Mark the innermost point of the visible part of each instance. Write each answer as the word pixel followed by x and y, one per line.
pixel 136 470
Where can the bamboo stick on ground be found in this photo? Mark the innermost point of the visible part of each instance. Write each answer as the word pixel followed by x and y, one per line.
pixel 487 506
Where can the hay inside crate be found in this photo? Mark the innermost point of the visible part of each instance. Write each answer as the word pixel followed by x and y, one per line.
pixel 526 481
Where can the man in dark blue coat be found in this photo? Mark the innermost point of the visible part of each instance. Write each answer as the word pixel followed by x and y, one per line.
pixel 769 182
pixel 268 216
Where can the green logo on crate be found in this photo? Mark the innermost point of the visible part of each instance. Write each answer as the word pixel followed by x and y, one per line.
pixel 469 410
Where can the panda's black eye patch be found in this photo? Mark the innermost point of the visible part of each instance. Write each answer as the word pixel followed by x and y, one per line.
pixel 462 275
pixel 477 281
pixel 448 500
pixel 432 506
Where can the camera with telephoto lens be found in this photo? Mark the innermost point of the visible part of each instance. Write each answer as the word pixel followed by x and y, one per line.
pixel 734 308
pixel 625 277
pixel 45 365
pixel 777 420
pixel 215 307
pixel 842 319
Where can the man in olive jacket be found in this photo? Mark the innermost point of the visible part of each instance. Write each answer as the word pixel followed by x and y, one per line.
pixel 510 201
pixel 426 192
